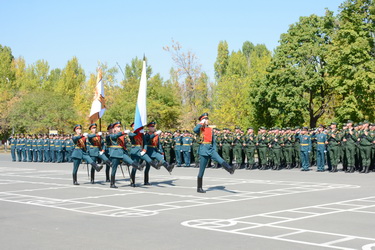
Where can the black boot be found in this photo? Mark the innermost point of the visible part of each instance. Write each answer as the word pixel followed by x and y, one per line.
pixel 132 180
pixel 146 180
pixel 96 166
pixel 199 186
pixel 366 169
pixel 75 179
pixel 227 167
pixel 155 164
pixel 107 174
pixel 113 182
pixel 137 166
pixel 168 167
pixel 92 176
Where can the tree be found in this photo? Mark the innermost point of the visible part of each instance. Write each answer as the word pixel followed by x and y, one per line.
pixel 221 60
pixel 352 61
pixel 72 78
pixel 297 88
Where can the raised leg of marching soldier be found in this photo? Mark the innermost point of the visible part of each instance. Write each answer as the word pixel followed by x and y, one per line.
pixel 137 158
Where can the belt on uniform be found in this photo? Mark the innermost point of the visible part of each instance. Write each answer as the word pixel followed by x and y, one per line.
pixel 137 145
pixel 149 146
pixel 79 147
pixel 91 146
pixel 206 142
pixel 304 144
pixel 186 145
pixel 115 146
pixel 321 143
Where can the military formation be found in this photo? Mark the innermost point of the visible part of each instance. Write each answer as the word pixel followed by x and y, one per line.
pixel 352 146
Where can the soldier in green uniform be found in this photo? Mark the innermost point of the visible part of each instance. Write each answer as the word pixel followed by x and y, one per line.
pixel 305 141
pixel 187 142
pixel 52 149
pixel 195 147
pixel 249 145
pixel 288 147
pixel 297 148
pixel 343 149
pixel 226 142
pixel 372 134
pixel 350 137
pixel 262 144
pixel 237 147
pixel 275 146
pixel 13 143
pixel 321 140
pixel 333 141
pixel 59 148
pixel 365 141
pixel 167 147
pixel 313 133
pixel 68 148
pixel 29 148
pixel 19 145
pixel 207 150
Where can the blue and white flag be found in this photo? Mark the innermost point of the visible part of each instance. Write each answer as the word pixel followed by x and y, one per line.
pixel 140 118
pixel 98 104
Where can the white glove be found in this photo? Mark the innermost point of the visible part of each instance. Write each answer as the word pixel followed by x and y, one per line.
pixel 101 152
pixel 158 132
pixel 100 133
pixel 127 131
pixel 203 121
pixel 85 134
pixel 143 153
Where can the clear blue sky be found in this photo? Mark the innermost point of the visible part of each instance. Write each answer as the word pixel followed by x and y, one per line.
pixel 117 31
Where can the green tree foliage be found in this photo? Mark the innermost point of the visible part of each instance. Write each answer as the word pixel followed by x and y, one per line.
pixel 36 112
pixel 72 78
pixel 352 61
pixel 297 88
pixel 221 60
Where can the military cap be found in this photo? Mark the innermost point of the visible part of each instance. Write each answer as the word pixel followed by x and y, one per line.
pixel 372 124
pixel 186 131
pixel 177 131
pixel 297 127
pixel 361 123
pixel 250 128
pixel 203 116
pixel 333 123
pixel 305 128
pixel 77 126
pixel 92 125
pixel 263 128
pixel 110 126
pixel 151 124
pixel 116 124
pixel 349 121
pixel 321 126
pixel 287 128
pixel 237 127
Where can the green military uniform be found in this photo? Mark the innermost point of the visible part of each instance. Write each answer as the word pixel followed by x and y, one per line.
pixel 13 144
pixel 333 138
pixel 237 148
pixel 321 139
pixel 226 142
pixel 288 142
pixel 40 145
pixel 249 145
pixel 167 147
pixel 29 149
pixel 275 146
pixel 297 150
pixel 195 148
pixel 262 145
pixel 351 140
pixel 187 142
pixel 366 140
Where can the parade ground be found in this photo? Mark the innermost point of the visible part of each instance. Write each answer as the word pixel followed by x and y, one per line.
pixel 252 209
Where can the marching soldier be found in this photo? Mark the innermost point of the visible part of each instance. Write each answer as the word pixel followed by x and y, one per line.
pixel 80 152
pixel 96 149
pixel 305 141
pixel 138 153
pixel 118 152
pixel 207 150
pixel 187 142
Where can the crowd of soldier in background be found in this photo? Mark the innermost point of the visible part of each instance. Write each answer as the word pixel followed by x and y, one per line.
pixel 353 146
